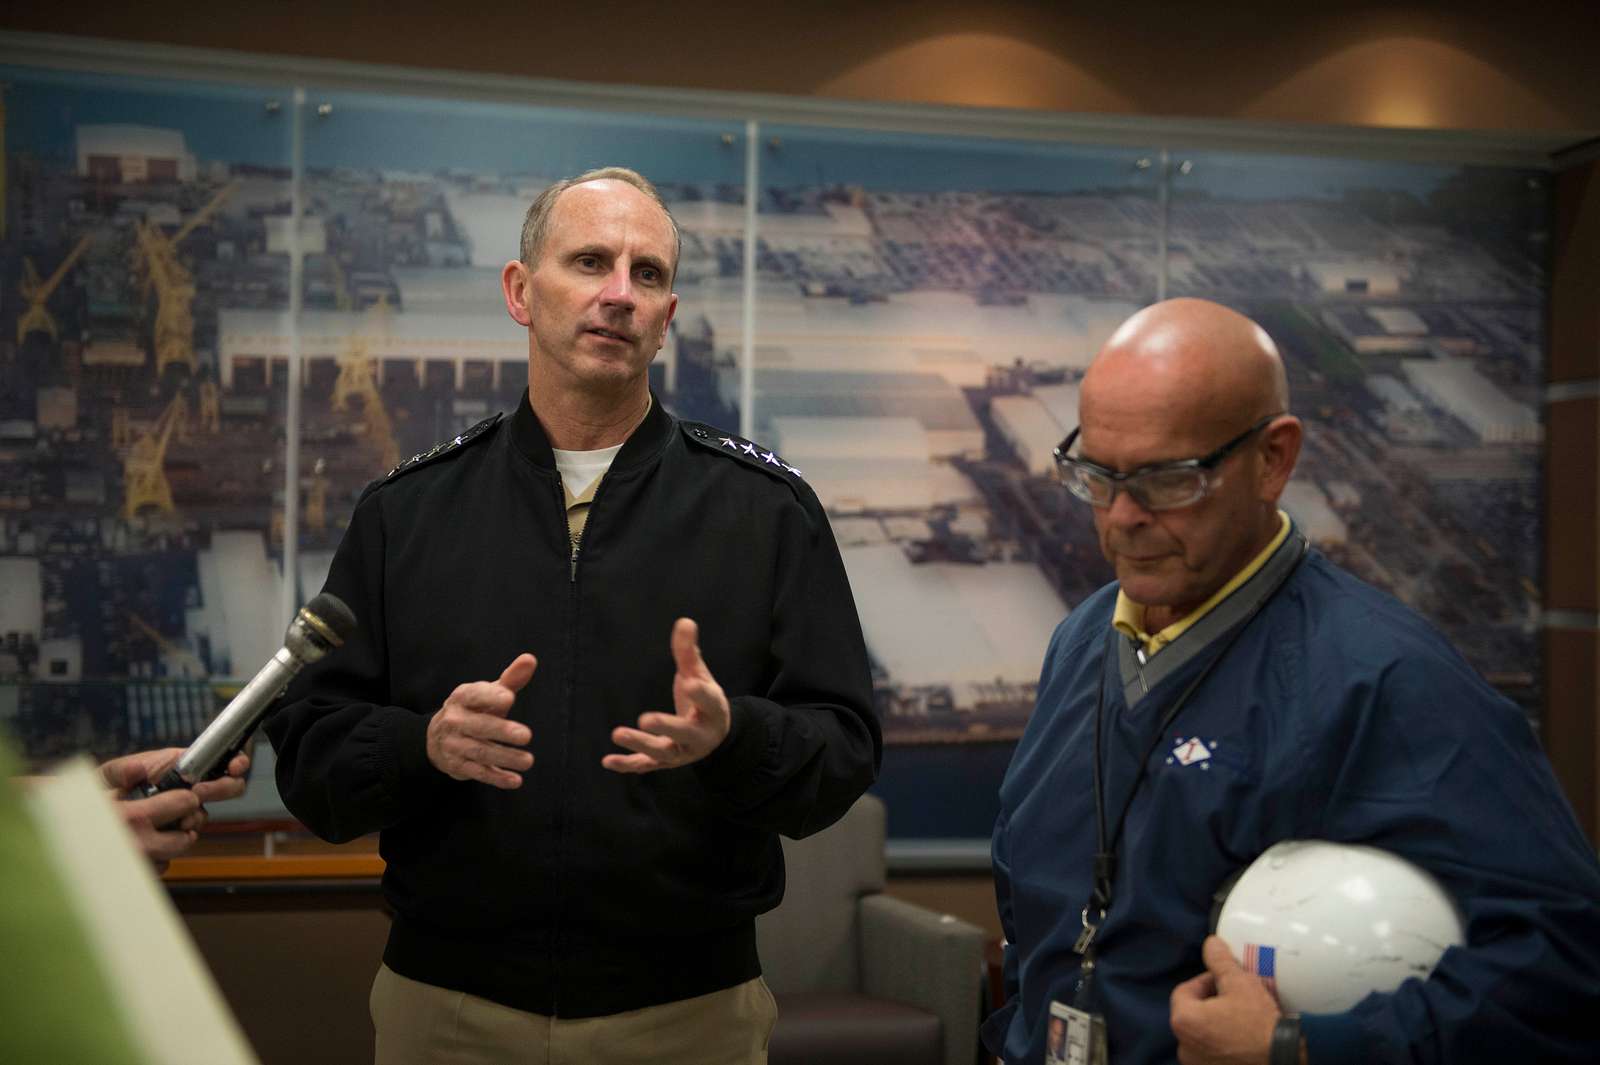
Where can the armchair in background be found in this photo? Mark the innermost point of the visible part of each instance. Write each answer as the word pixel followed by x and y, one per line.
pixel 861 977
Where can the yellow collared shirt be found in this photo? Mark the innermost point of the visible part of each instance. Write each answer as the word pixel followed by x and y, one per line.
pixel 1128 618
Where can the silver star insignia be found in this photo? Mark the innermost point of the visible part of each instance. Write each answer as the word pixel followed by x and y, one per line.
pixel 750 449
pixel 728 441
pixel 770 457
pixel 792 469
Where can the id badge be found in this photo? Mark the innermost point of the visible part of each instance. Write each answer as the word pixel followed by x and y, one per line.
pixel 1075 1037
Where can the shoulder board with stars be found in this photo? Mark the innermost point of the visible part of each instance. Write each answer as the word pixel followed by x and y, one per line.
pixel 748 452
pixel 440 450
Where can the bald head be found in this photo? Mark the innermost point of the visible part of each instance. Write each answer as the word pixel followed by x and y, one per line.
pixel 1177 382
pixel 1193 361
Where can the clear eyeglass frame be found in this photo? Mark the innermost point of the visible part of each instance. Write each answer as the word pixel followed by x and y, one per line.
pixel 1164 486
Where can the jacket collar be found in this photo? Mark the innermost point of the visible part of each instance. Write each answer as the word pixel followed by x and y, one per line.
pixel 528 436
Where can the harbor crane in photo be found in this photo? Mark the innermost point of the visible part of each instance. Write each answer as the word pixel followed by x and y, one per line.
pixel 144 474
pixel 36 292
pixel 174 284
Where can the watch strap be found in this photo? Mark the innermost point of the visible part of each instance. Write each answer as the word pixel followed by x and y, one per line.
pixel 1285 1041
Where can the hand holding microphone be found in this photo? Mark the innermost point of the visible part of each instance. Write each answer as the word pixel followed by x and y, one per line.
pixel 167 824
pixel 318 627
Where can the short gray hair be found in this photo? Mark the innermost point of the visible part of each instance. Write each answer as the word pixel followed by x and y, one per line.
pixel 536 225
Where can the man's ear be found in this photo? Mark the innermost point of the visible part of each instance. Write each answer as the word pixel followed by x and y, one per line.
pixel 515 279
pixel 1280 450
pixel 666 323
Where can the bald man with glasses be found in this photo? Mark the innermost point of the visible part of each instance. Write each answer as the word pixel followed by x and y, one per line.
pixel 1233 688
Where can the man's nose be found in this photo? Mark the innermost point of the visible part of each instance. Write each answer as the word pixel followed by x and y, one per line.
pixel 1126 511
pixel 618 290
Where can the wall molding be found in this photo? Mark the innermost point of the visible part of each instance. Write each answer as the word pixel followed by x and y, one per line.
pixel 1570 619
pixel 1578 154
pixel 1533 150
pixel 1567 391
pixel 932 856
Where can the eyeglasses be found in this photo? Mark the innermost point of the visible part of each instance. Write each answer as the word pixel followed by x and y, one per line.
pixel 1164 486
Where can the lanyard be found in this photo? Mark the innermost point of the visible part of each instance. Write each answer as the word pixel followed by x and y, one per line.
pixel 1105 858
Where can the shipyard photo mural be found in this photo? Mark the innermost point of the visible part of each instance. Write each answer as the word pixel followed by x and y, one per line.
pixel 920 310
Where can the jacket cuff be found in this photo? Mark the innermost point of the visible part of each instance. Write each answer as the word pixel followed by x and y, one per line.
pixel 1334 1039
pixel 405 755
pixel 742 749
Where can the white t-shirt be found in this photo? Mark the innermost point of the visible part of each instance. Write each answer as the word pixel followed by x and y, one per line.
pixel 580 469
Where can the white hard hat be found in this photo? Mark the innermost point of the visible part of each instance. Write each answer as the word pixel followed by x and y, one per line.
pixel 1324 923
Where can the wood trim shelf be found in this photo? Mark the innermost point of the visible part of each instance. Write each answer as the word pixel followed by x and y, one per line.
pixel 277 867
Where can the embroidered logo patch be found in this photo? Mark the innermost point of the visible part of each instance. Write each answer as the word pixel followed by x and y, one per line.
pixel 1192 751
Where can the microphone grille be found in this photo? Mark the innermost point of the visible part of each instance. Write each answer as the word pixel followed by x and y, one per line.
pixel 332 612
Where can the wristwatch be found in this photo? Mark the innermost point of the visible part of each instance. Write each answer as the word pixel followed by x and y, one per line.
pixel 1285 1048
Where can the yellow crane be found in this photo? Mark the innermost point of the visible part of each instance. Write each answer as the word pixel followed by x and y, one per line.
pixel 121 428
pixel 35 318
pixel 314 517
pixel 316 512
pixel 3 181
pixel 174 285
pixel 178 653
pixel 144 475
pixel 210 406
pixel 358 374
pixel 341 285
pixel 380 429
pixel 358 379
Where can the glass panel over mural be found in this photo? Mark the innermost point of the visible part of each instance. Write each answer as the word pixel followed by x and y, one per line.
pixel 1408 301
pixel 139 559
pixel 926 306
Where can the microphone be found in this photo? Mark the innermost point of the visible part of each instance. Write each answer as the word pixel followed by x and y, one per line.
pixel 318 627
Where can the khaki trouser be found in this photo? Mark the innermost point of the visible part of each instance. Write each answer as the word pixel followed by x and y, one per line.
pixel 419 1024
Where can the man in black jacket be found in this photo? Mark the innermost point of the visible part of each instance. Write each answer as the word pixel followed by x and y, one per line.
pixel 577 849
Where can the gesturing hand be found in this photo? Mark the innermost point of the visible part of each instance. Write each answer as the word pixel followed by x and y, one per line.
pixel 1224 1016
pixel 470 737
pixel 698 726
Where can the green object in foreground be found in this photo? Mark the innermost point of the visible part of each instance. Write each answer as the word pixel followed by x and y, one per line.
pixel 57 1006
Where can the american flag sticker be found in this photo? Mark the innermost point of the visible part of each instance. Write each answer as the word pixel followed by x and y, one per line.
pixel 1263 961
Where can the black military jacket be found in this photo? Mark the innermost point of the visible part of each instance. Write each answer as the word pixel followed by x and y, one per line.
pixel 584 892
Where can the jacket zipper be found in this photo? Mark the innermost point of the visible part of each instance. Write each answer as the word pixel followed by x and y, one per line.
pixel 556 968
pixel 577 541
pixel 571 694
